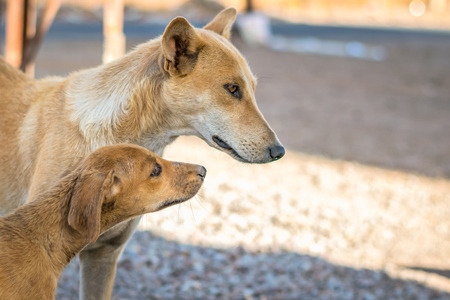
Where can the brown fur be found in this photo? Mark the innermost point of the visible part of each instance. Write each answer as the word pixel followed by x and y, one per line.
pixel 111 185
pixel 182 83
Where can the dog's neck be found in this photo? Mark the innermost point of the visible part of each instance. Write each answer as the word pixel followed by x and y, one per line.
pixel 121 102
pixel 45 225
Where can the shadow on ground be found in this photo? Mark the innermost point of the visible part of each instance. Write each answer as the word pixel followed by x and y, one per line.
pixel 440 272
pixel 155 268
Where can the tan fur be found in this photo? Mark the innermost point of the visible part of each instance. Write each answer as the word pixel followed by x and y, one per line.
pixel 178 84
pixel 111 185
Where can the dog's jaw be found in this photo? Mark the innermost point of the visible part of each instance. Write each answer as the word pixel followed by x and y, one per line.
pixel 240 145
pixel 223 146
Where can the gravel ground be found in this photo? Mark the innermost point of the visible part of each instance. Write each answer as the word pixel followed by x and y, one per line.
pixel 302 228
pixel 155 268
pixel 357 209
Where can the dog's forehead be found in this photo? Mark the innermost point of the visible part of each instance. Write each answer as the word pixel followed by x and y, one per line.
pixel 227 54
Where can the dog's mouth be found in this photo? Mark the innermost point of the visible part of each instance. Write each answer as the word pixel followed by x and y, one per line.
pixel 222 144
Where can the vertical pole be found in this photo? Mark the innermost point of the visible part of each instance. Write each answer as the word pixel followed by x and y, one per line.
pixel 36 36
pixel 30 32
pixel 15 11
pixel 114 39
pixel 249 6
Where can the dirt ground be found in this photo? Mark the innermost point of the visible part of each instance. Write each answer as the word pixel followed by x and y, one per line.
pixel 365 181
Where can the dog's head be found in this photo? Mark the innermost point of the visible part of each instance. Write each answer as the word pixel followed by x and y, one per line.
pixel 212 89
pixel 123 181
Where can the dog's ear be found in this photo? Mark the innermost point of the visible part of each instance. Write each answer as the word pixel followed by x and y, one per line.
pixel 86 204
pixel 223 22
pixel 180 45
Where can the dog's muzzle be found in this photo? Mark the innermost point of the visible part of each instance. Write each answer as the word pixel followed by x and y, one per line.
pixel 274 152
pixel 221 143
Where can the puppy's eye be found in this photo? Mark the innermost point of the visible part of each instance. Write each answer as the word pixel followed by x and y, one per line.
pixel 156 170
pixel 233 89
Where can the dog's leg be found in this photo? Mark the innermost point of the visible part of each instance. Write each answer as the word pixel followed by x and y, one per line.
pixel 99 260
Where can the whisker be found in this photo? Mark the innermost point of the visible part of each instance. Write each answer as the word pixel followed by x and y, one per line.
pixel 192 211
pixel 239 166
pixel 179 206
pixel 197 197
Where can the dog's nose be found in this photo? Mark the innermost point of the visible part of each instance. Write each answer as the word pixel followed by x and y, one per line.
pixel 276 152
pixel 202 172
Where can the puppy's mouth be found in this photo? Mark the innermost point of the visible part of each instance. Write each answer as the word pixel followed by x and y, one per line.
pixel 170 203
pixel 227 148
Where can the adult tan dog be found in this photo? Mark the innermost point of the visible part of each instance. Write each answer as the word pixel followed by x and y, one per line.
pixel 113 184
pixel 189 81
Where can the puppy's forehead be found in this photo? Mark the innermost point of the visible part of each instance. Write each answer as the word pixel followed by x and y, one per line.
pixel 136 156
pixel 150 159
pixel 127 152
pixel 125 156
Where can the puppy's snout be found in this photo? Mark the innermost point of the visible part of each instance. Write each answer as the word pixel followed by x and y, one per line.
pixel 201 172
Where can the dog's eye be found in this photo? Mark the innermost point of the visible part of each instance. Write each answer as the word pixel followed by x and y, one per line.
pixel 156 170
pixel 233 89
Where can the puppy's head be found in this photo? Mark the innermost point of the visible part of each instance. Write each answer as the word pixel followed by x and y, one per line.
pixel 212 88
pixel 123 181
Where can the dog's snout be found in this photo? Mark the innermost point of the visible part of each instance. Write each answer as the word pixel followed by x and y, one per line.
pixel 276 152
pixel 201 172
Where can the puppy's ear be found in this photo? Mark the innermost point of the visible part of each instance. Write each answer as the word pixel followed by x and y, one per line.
pixel 223 22
pixel 86 204
pixel 180 45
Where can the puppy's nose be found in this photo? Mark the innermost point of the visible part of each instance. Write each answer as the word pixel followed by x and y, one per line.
pixel 276 152
pixel 201 172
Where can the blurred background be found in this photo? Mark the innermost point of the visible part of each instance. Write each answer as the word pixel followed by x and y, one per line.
pixel 359 93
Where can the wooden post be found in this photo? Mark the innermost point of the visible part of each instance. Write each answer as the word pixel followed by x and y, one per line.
pixel 30 31
pixel 15 11
pixel 249 6
pixel 114 39
pixel 34 40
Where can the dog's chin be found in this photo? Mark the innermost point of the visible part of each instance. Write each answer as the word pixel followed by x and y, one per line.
pixel 220 144
pixel 236 156
pixel 170 203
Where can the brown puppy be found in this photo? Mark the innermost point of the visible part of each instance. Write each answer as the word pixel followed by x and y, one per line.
pixel 113 184
pixel 189 81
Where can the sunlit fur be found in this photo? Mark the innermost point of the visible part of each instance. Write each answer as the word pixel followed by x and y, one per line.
pixel 167 87
pixel 110 186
